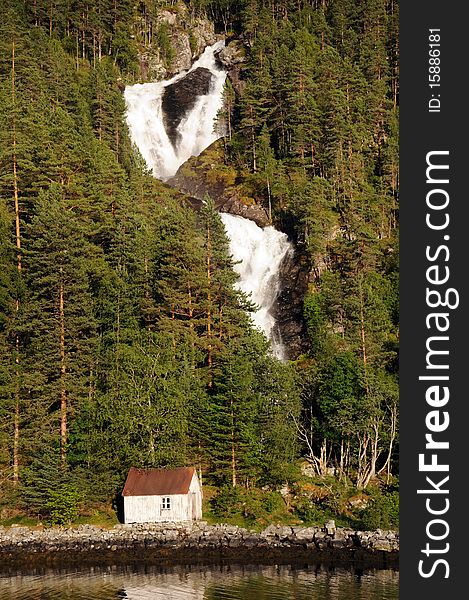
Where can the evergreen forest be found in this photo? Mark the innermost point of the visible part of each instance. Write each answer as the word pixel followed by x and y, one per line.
pixel 123 338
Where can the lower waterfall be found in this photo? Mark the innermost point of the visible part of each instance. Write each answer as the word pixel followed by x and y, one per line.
pixel 260 251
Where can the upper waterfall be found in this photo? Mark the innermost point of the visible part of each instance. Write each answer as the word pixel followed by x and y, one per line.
pixel 196 130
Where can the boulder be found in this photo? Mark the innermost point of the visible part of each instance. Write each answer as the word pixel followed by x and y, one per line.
pixel 232 54
pixel 329 527
pixel 253 212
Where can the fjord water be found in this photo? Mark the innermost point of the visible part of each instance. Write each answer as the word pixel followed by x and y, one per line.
pixel 203 583
pixel 260 251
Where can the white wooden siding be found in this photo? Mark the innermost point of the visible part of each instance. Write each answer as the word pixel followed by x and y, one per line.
pixel 195 494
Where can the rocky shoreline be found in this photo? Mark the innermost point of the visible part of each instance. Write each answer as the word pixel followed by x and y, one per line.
pixel 25 548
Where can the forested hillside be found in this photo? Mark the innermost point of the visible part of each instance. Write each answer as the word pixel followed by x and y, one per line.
pixel 123 340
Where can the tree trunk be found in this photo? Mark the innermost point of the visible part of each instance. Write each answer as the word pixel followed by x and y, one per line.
pixel 63 371
pixel 393 432
pixel 16 420
pixel 209 305
pixel 269 195
pixel 233 449
pixel 190 314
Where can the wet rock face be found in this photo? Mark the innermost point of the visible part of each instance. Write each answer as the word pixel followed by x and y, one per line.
pixel 180 97
pixel 289 306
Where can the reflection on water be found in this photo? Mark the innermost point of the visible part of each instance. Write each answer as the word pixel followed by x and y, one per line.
pixel 203 583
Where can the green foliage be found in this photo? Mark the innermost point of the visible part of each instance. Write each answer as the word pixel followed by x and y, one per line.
pixel 63 504
pixel 163 40
pixel 228 502
pixel 314 321
pixel 123 338
pixel 382 512
pixel 309 512
pixel 192 43
pixel 250 506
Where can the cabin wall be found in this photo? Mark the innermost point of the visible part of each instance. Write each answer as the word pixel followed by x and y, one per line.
pixel 148 509
pixel 195 498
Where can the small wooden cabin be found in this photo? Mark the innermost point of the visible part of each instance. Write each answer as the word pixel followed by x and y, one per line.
pixel 157 495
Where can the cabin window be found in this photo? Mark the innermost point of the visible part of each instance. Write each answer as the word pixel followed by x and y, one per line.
pixel 166 504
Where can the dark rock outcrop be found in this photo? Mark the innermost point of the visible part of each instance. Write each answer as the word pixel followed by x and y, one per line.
pixel 207 174
pixel 234 206
pixel 288 309
pixel 180 97
pixel 25 548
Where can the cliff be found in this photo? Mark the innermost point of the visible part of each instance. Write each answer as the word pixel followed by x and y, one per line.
pixel 184 40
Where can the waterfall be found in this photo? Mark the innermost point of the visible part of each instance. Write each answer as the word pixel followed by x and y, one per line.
pixel 260 251
pixel 197 129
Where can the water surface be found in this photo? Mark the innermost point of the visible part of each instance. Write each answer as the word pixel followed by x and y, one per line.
pixel 203 583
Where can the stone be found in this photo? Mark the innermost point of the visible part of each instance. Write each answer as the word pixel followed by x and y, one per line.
pixel 207 174
pixel 232 54
pixel 182 60
pixel 165 16
pixel 203 33
pixel 304 533
pixel 307 469
pixel 253 212
pixel 270 531
pixel 359 501
pixel 188 37
pixel 151 539
pixel 232 57
pixel 180 97
pixel 330 527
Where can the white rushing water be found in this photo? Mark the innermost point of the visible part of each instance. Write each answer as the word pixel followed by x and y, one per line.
pixel 196 130
pixel 260 251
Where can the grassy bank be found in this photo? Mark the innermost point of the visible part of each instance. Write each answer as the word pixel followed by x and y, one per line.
pixel 308 502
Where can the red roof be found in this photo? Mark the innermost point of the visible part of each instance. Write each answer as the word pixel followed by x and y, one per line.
pixel 158 482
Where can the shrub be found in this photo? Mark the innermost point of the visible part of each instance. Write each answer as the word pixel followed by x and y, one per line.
pixel 382 512
pixel 63 504
pixel 193 43
pixel 308 511
pixel 250 505
pixel 228 502
pixel 272 502
pixel 163 39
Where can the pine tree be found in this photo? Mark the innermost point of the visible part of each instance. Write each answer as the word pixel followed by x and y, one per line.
pixel 61 327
